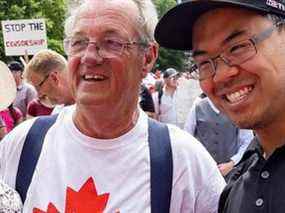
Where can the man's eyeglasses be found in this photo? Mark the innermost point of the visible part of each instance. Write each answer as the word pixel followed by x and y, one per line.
pixel 106 48
pixel 233 55
pixel 39 85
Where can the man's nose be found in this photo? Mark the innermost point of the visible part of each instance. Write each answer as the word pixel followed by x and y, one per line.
pixel 91 54
pixel 224 71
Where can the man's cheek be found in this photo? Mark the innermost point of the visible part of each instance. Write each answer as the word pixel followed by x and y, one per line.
pixel 73 63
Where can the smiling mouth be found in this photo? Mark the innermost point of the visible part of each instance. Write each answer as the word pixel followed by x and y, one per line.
pixel 94 77
pixel 239 95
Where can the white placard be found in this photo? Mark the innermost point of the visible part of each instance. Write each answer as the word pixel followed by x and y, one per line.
pixel 26 35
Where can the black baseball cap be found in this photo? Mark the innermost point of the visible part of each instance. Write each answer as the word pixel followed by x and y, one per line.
pixel 15 66
pixel 174 29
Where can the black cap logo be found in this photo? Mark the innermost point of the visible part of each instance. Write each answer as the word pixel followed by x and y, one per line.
pixel 275 4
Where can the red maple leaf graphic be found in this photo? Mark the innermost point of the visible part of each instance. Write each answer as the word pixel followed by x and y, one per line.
pixel 86 199
pixel 51 209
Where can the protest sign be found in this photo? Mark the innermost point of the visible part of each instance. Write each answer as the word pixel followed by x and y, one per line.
pixel 26 36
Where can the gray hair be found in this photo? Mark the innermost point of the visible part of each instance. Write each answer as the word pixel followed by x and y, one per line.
pixel 148 18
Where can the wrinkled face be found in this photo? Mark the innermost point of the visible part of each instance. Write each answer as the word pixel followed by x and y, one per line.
pixel 252 94
pixel 103 81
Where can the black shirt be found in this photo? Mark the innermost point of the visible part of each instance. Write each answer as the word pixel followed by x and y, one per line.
pixel 146 101
pixel 255 184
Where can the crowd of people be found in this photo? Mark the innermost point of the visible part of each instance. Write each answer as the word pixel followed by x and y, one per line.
pixel 106 130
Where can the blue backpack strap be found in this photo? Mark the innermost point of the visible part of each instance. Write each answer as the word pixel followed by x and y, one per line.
pixel 31 152
pixel 161 166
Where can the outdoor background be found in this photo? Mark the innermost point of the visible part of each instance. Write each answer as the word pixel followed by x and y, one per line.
pixel 55 12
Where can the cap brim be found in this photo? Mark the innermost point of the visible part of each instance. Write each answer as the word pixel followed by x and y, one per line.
pixel 7 86
pixel 173 75
pixel 174 29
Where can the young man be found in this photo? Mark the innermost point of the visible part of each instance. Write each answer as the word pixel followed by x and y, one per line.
pixel 47 71
pixel 96 156
pixel 238 47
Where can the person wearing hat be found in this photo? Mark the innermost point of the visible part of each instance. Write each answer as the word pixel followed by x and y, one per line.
pixel 238 48
pixel 165 99
pixel 25 92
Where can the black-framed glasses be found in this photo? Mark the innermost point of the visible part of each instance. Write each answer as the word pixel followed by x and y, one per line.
pixel 234 54
pixel 39 85
pixel 106 47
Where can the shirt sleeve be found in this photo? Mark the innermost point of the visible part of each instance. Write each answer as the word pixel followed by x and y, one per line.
pixel 245 136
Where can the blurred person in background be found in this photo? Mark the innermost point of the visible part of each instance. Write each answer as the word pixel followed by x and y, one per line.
pixel 25 91
pixel 165 99
pixel 47 71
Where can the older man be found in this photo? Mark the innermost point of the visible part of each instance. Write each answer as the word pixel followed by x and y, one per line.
pixel 98 155
pixel 239 48
pixel 47 71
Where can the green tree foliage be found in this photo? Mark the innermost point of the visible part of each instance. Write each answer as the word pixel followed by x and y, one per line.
pixel 53 11
pixel 168 58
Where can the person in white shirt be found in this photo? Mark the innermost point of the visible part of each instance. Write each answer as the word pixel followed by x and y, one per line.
pixel 224 140
pixel 165 99
pixel 96 156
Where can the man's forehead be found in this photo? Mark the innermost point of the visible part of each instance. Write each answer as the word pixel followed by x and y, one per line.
pixel 223 25
pixel 110 18
pixel 93 8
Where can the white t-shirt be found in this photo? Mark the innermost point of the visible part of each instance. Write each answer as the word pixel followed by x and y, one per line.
pixel 167 108
pixel 77 171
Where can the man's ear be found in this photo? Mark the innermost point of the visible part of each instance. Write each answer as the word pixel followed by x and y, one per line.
pixel 150 56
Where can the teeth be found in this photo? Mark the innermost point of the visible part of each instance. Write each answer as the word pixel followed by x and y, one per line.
pixel 93 77
pixel 238 95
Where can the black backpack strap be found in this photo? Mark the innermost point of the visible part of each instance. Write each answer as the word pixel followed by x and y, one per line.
pixel 160 93
pixel 31 152
pixel 161 166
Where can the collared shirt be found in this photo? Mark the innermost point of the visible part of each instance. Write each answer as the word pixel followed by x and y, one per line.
pixel 244 135
pixel 255 184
